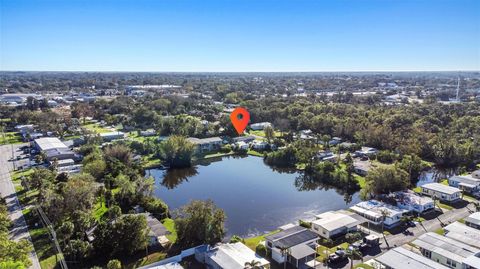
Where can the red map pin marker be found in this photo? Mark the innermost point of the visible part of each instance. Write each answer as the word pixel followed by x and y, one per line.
pixel 240 118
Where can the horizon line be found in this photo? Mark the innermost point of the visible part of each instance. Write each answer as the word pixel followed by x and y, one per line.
pixel 321 71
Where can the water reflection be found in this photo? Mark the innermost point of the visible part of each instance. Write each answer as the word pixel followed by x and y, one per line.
pixel 436 174
pixel 256 197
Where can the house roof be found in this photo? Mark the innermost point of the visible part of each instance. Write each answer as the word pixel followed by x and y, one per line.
pixel 463 233
pixel 46 143
pixel 284 233
pixel 446 247
pixel 401 258
pixel 473 261
pixel 374 208
pixel 441 188
pixel 234 256
pixel 331 220
pixel 172 265
pixel 296 239
pixel 205 140
pixel 474 218
pixel 469 179
pixel 156 227
pixel 301 251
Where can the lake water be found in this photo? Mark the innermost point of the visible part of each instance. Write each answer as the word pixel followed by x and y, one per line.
pixel 256 198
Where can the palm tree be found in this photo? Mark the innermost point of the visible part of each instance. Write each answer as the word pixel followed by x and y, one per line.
pixel 435 200
pixel 284 252
pixel 253 265
pixel 385 213
pixel 353 254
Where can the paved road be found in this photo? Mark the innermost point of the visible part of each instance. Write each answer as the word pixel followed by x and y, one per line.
pixel 7 190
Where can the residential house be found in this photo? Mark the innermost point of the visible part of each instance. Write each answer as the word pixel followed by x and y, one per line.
pixel 374 211
pixel 206 144
pixel 70 169
pixel 149 132
pixel 401 258
pixel 463 233
pixel 112 136
pixel 361 167
pixel 60 154
pixel 413 202
pixel 157 231
pixel 260 145
pixel 246 139
pixel 233 256
pixel 448 251
pixel 295 245
pixel 336 223
pixel 473 220
pixel 64 162
pixel 260 126
pixel 366 151
pixel 465 183
pixel 170 265
pixel 441 191
pixel 241 145
pixel 324 154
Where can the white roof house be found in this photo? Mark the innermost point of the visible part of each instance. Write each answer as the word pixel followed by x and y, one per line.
pixel 260 125
pixel 473 220
pixel 47 143
pixel 401 258
pixel 233 256
pixel 463 233
pixel 372 211
pixel 172 265
pixel 468 182
pixel 446 250
pixel 413 202
pixel 333 223
pixel 441 191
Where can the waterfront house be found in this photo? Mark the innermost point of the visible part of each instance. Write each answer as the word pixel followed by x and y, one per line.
pixel 149 132
pixel 466 183
pixel 246 139
pixel 448 251
pixel 401 258
pixel 336 223
pixel 156 231
pixel 361 167
pixel 413 202
pixel 206 144
pixel 260 126
pixel 295 245
pixel 260 145
pixel 373 211
pixel 473 220
pixel 112 136
pixel 441 191
pixel 233 256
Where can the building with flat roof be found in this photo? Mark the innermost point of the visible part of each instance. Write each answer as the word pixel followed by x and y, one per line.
pixel 47 143
pixel 336 223
pixel 447 251
pixel 463 233
pixel 373 210
pixel 233 256
pixel 112 136
pixel 401 258
pixel 441 191
pixel 206 144
pixel 260 125
pixel 466 183
pixel 473 220
pixel 413 202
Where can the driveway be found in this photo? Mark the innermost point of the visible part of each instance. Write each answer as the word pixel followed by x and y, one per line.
pixel 7 190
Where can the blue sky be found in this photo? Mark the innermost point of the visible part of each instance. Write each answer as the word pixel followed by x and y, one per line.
pixel 239 35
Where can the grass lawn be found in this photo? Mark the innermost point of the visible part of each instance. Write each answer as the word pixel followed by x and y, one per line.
pixel 151 161
pixel 360 180
pixel 170 225
pixel 254 153
pixel 363 265
pixel 214 155
pixel 10 138
pixel 444 182
pixel 440 231
pixel 96 128
pixel 444 206
pixel 417 189
pixel 252 242
pixel 323 251
pixel 151 258
pixel 17 175
pixel 262 133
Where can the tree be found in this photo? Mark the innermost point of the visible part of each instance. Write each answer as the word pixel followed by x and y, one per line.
pixel 177 151
pixel 253 265
pixel 200 222
pixel 413 165
pixel 385 179
pixel 96 168
pixel 385 214
pixel 269 133
pixel 353 254
pixel 114 264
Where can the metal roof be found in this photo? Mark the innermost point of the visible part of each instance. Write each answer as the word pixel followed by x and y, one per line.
pixel 446 247
pixel 441 188
pixel 234 256
pixel 401 258
pixel 331 221
pixel 47 143
pixel 301 251
pixel 463 233
pixel 285 233
pixel 296 239
pixel 474 218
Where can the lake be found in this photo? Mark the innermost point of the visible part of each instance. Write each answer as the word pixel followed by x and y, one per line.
pixel 256 197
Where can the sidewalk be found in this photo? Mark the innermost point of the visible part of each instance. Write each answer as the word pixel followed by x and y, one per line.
pixel 7 190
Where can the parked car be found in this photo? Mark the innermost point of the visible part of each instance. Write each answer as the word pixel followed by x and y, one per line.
pixel 359 245
pixel 338 256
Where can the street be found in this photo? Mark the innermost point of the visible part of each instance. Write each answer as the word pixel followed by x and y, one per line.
pixel 7 190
